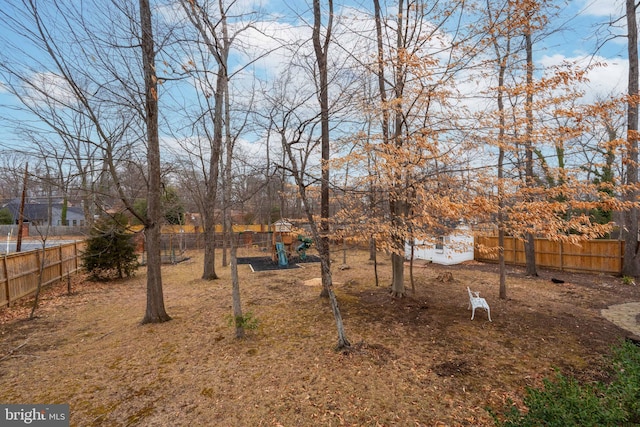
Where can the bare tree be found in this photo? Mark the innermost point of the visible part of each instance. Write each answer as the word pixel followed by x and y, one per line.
pixel 502 56
pixel 294 121
pixel 631 260
pixel 321 48
pixel 219 47
pixel 92 83
pixel 155 312
pixel 211 22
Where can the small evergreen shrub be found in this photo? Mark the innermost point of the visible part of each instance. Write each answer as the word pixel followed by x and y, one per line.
pixel 565 402
pixel 246 321
pixel 110 251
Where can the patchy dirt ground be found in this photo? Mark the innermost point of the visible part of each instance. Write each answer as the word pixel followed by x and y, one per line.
pixel 416 361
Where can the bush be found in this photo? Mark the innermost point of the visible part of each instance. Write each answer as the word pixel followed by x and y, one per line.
pixel 566 402
pixel 110 250
pixel 5 216
pixel 247 321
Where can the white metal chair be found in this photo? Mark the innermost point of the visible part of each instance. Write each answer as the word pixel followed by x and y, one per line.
pixel 475 301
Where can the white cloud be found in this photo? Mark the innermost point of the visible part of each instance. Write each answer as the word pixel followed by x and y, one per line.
pixel 254 152
pixel 602 8
pixel 268 45
pixel 49 88
pixel 608 77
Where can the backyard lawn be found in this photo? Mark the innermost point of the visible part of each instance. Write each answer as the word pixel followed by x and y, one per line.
pixel 415 361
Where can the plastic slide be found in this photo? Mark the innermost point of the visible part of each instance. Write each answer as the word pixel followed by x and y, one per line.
pixel 282 254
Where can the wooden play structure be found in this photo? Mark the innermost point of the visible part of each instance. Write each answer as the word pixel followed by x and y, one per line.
pixel 286 243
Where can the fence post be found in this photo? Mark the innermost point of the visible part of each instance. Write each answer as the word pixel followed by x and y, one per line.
pixel 620 255
pixel 6 279
pixel 560 247
pixel 60 275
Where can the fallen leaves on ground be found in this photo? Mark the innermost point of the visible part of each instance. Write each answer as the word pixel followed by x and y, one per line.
pixel 416 361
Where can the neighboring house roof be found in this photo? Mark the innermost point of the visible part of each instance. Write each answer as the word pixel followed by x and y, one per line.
pixel 32 211
pixel 38 212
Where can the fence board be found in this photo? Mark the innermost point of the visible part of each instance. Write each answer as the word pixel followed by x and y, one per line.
pixel 22 271
pixel 602 256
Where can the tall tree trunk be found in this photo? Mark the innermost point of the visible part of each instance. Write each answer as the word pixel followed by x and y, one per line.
pixel 321 49
pixel 501 263
pixel 235 289
pixel 86 200
pixel 284 212
pixel 372 249
pixel 319 232
pixel 375 270
pixel 343 342
pixel 226 234
pixel 219 48
pixel 155 312
pixel 529 244
pixel 209 221
pixel 385 111
pixel 397 280
pixel 63 214
pixel 383 97
pixel 501 59
pixel 209 272
pixel 381 79
pixel 411 263
pixel 397 206
pixel 315 231
pixel 631 261
pixel 228 169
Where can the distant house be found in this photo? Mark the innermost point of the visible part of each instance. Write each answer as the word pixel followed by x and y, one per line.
pixel 453 248
pixel 42 214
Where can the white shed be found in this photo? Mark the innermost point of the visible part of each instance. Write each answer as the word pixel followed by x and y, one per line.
pixel 282 226
pixel 454 248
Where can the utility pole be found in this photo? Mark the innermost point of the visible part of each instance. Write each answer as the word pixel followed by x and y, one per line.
pixel 22 202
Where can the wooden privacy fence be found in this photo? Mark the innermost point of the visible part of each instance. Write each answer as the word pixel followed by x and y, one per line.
pixel 19 272
pixel 593 256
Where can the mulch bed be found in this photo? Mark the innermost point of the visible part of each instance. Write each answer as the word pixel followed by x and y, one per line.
pixel 267 264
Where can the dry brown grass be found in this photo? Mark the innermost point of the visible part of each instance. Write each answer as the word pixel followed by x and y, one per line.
pixel 415 361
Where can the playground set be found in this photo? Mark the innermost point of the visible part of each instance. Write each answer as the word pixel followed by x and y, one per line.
pixel 288 249
pixel 284 246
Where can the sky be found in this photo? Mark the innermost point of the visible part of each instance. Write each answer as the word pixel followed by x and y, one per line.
pixel 584 38
pixel 582 30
